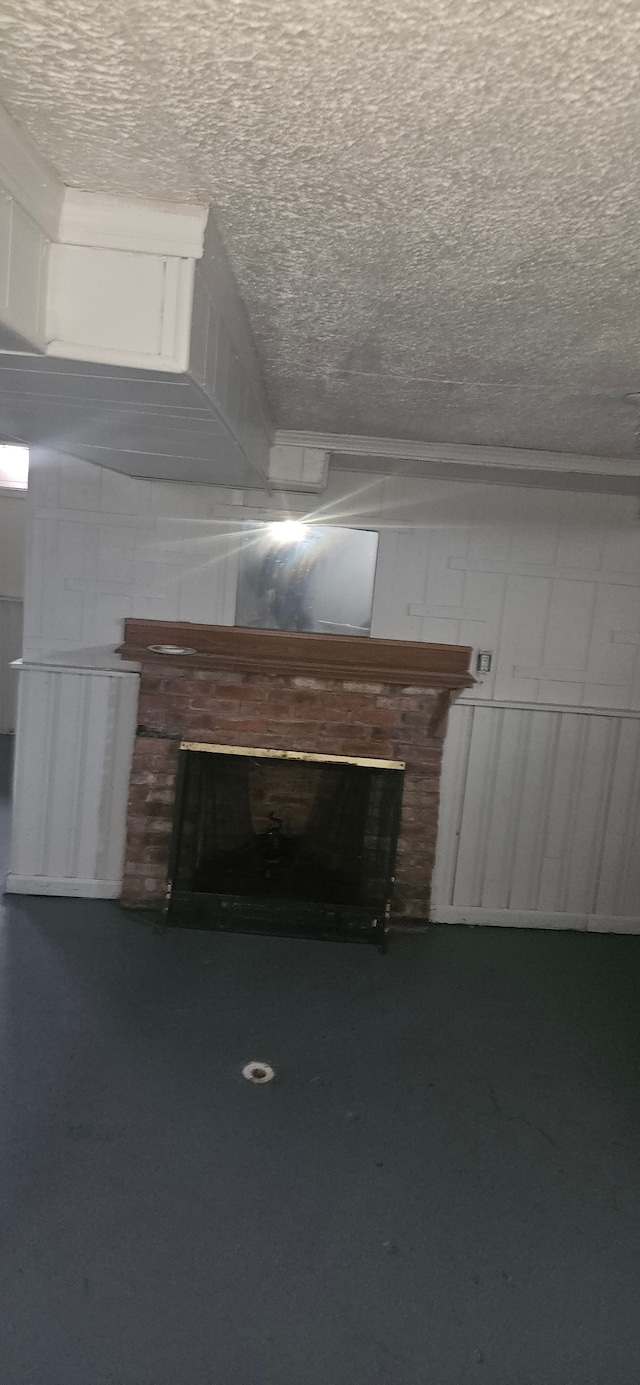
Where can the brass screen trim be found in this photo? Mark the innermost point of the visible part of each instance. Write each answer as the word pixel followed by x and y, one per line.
pixel 258 751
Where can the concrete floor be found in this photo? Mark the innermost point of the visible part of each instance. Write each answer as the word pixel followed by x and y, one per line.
pixel 441 1187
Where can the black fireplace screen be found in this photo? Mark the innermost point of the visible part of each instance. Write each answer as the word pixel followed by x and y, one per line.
pixel 278 832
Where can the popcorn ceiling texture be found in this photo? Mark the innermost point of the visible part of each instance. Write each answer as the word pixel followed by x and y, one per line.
pixel 431 206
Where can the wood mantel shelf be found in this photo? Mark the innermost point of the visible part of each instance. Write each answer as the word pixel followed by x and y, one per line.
pixel 404 662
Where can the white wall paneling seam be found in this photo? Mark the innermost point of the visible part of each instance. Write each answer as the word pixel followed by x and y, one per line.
pixel 468 700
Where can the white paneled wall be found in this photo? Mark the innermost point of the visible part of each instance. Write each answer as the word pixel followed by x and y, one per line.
pixel 10 649
pixel 540 819
pixel 103 546
pixel 548 581
pixel 538 794
pixel 73 756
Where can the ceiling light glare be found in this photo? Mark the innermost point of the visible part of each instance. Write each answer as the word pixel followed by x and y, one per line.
pixel 288 531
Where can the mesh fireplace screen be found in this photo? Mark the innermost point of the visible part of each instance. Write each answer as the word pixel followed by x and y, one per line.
pixel 284 829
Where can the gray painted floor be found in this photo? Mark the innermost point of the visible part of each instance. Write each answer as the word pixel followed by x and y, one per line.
pixel 440 1188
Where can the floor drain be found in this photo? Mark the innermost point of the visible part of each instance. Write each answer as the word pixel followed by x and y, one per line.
pixel 258 1072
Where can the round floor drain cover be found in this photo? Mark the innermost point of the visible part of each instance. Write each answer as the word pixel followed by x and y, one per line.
pixel 258 1072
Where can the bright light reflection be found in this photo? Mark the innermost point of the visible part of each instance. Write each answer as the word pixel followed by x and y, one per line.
pixel 14 467
pixel 288 531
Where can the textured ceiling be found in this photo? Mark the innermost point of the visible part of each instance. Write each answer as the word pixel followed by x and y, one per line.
pixel 432 206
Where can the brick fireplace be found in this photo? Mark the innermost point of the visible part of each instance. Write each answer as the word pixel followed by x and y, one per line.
pixel 379 701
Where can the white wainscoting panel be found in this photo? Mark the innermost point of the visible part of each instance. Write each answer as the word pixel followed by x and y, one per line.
pixel 73 758
pixel 540 818
pixel 10 649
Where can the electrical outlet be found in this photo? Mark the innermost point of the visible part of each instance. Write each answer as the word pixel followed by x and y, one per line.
pixel 483 661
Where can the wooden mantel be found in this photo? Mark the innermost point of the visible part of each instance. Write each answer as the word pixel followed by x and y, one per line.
pixel 404 662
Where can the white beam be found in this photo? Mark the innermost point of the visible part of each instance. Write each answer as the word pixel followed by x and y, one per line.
pixel 127 223
pixel 509 465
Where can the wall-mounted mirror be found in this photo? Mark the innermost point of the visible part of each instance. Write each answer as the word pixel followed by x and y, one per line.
pixel 296 576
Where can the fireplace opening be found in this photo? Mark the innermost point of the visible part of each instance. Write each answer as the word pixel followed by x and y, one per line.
pixel 280 842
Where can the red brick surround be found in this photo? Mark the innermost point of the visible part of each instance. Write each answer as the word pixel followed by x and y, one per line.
pixel 281 710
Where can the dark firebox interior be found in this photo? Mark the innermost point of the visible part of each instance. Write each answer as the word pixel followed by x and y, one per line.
pixel 285 829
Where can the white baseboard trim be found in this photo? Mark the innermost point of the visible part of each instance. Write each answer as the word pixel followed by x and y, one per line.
pixel 531 918
pixel 71 888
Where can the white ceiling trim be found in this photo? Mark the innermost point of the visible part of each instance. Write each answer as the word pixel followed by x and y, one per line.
pixel 127 223
pixel 468 455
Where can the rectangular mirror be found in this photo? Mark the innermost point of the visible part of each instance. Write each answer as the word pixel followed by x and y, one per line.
pixel 296 576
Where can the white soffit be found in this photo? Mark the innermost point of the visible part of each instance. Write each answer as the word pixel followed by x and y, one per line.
pixel 98 295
